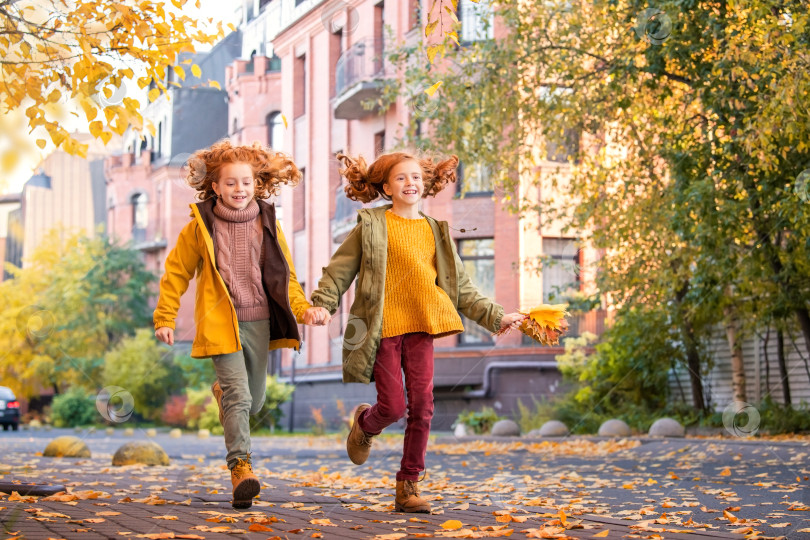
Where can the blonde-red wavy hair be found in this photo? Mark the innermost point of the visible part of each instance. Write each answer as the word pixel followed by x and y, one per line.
pixel 271 169
pixel 365 182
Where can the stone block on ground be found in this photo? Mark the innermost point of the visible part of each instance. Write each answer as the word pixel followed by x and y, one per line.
pixel 67 446
pixel 667 427
pixel 505 428
pixel 143 452
pixel 614 428
pixel 552 428
pixel 460 430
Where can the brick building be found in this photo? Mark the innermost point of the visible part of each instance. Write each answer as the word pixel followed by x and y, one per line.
pixel 147 196
pixel 294 77
pixel 306 68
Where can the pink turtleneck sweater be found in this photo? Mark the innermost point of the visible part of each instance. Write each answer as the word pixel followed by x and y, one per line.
pixel 239 254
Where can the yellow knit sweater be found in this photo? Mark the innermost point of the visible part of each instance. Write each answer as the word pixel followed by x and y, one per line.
pixel 413 301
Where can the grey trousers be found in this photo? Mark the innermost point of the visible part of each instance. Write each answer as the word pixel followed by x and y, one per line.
pixel 243 378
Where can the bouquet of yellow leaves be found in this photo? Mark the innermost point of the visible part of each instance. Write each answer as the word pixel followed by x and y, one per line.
pixel 544 323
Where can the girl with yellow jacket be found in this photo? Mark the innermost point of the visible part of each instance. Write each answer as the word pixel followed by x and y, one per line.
pixel 248 297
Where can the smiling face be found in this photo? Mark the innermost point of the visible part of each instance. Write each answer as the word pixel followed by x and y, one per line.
pixel 405 184
pixel 236 185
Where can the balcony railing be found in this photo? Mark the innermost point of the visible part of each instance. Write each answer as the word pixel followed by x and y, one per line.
pixel 358 78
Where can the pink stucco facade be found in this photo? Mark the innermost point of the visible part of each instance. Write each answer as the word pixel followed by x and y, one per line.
pixel 164 213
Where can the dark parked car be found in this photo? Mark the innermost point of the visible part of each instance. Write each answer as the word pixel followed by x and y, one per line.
pixel 9 409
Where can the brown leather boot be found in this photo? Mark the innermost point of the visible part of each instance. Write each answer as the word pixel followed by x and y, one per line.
pixel 358 443
pixel 246 485
pixel 217 391
pixel 408 499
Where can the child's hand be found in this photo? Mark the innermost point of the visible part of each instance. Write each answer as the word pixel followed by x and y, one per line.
pixel 165 334
pixel 317 316
pixel 512 320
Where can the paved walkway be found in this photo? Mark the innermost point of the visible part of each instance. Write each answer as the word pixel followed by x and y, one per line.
pixel 574 488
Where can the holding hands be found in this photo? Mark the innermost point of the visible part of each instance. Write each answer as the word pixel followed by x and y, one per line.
pixel 317 316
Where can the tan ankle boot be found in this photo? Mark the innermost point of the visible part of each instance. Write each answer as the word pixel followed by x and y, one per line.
pixel 408 499
pixel 246 485
pixel 217 391
pixel 358 443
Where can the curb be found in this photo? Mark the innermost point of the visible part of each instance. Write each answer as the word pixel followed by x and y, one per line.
pixel 644 439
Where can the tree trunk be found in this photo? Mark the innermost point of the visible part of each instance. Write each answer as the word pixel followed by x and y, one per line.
pixel 692 353
pixel 783 372
pixel 735 346
pixel 804 323
pixel 767 362
pixel 693 361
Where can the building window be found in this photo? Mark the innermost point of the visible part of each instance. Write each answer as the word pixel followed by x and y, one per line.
pixel 299 209
pixel 379 144
pixel 379 34
pixel 300 86
pixel 474 179
pixel 275 131
pixel 140 217
pixel 274 64
pixel 335 52
pixel 335 184
pixel 565 150
pixel 250 67
pixel 478 257
pixel 476 20
pixel 562 271
pixel 235 126
pixel 159 140
pixel 414 13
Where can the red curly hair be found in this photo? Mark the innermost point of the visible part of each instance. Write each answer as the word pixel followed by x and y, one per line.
pixel 271 169
pixel 366 182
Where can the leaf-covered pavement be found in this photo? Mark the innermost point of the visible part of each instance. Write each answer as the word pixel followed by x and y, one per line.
pixel 575 488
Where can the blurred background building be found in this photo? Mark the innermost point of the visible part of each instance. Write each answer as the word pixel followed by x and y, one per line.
pixel 294 76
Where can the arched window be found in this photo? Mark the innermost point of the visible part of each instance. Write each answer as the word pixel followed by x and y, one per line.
pixel 275 131
pixel 140 216
pixel 250 66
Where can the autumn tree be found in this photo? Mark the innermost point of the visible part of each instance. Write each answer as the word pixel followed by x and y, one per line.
pixel 684 128
pixel 76 298
pixel 58 54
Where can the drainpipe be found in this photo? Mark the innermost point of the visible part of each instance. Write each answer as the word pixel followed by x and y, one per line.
pixel 486 390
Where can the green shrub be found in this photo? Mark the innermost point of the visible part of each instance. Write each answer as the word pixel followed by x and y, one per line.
pixel 201 410
pixel 143 367
pixel 625 377
pixel 74 408
pixel 778 418
pixel 529 419
pixel 480 421
pixel 270 414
